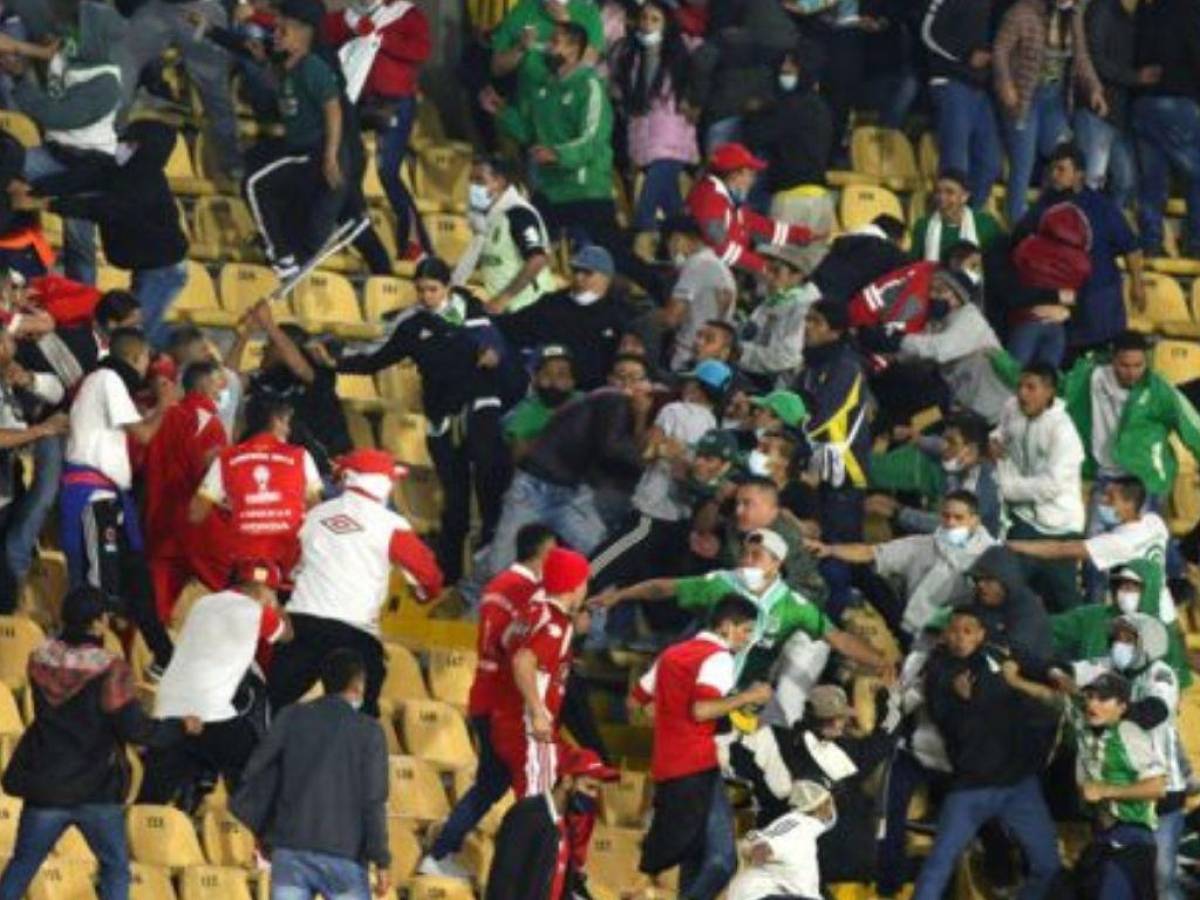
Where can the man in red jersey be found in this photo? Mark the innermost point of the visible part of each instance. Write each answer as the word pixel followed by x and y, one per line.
pixel 505 602
pixel 688 684
pixel 263 486
pixel 189 439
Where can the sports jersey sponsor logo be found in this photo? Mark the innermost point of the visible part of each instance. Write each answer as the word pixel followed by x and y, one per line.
pixel 262 483
pixel 341 524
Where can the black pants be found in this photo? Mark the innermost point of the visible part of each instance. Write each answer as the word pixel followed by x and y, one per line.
pixel 296 665
pixel 293 205
pixel 469 451
pixel 223 748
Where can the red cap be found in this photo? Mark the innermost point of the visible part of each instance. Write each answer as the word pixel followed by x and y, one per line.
pixel 564 570
pixel 731 157
pixel 370 462
pixel 581 762
pixel 258 571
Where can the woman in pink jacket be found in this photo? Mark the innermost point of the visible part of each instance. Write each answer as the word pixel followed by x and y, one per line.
pixel 648 73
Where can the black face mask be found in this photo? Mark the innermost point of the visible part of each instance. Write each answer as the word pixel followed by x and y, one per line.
pixel 581 805
pixel 554 61
pixel 939 309
pixel 553 397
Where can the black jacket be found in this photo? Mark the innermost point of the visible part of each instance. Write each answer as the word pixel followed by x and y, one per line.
pixel 853 262
pixel 319 782
pixel 132 204
pixel 1168 35
pixel 951 31
pixel 1021 622
pixel 590 332
pixel 588 440
pixel 795 135
pixel 1111 45
pixel 86 712
pixel 528 846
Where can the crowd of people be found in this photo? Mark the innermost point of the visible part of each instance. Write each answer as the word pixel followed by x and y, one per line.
pixel 880 500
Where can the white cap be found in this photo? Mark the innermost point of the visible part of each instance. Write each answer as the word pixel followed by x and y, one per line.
pixel 771 541
pixel 807 795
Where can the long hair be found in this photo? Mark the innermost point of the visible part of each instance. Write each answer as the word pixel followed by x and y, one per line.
pixel 630 74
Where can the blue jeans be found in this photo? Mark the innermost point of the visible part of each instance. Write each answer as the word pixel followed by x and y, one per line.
pixel 102 826
pixel 893 867
pixel 491 783
pixel 1114 884
pixel 1035 135
pixel 660 193
pixel 1168 136
pixel 156 290
pixel 1043 342
pixel 1108 156
pixel 391 149
pixel 303 874
pixel 1020 807
pixel 79 235
pixel 705 875
pixel 966 135
pixel 1168 836
pixel 26 520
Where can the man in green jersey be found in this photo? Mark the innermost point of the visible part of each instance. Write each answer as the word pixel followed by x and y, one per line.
pixel 792 637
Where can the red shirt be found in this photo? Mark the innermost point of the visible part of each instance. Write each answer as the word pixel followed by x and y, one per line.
pixel 505 599
pixel 730 229
pixel 404 46
pixel 546 629
pixel 176 459
pixel 697 669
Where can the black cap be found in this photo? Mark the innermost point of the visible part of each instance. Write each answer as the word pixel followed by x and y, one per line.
pixel 310 12
pixel 1108 686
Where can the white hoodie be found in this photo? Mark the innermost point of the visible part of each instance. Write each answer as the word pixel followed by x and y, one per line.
pixel 1040 475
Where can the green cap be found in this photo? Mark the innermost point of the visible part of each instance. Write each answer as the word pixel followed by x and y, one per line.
pixel 787 405
pixel 718 444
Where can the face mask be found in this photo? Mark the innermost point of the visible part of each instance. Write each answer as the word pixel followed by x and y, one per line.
pixel 680 260
pixel 1129 601
pixel 649 38
pixel 356 703
pixel 582 805
pixel 554 61
pixel 952 466
pixel 939 309
pixel 758 463
pixel 956 537
pixel 553 397
pixel 789 82
pixel 479 197
pixel 585 298
pixel 1107 515
pixel 754 578
pixel 737 195
pixel 1122 655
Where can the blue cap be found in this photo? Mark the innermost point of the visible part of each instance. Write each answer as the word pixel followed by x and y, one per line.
pixel 712 373
pixel 593 258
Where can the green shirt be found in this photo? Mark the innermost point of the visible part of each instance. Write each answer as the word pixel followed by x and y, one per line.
pixel 305 90
pixel 533 70
pixel 1120 755
pixel 781 613
pixel 528 419
pixel 987 230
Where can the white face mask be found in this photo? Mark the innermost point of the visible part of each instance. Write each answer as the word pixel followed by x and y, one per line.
pixel 649 38
pixel 680 260
pixel 754 578
pixel 355 703
pixel 1122 655
pixel 956 537
pixel 952 466
pixel 789 82
pixel 758 463
pixel 479 197
pixel 585 298
pixel 1129 601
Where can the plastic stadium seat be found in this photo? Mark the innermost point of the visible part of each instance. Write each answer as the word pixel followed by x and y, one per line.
pixel 150 883
pixel 886 155
pixel 1177 361
pixel 442 173
pixel 62 880
pixel 181 174
pixel 451 672
pixel 1166 306
pixel 387 721
pixel 18 638
pixel 72 847
pixel 227 842
pixel 213 883
pixel 198 302
pixel 626 801
pixel 400 386
pixel 450 235
pixel 416 791
pixel 405 848
pixel 927 157
pixel 244 284
pixel 48 577
pixel 11 724
pixel 110 278
pixel 20 126
pixel 435 732
pixel 52 228
pixel 10 816
pixel 431 887
pixel 1184 500
pixel 861 203
pixel 404 437
pixel 403 680
pixel 384 223
pixel 358 391
pixel 382 294
pixel 490 823
pixel 162 836
pixel 476 856
pixel 224 230
pixel 613 857
pixel 419 499
pixel 362 433
pixel 326 302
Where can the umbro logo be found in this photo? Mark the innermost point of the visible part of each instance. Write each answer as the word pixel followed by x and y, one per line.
pixel 341 524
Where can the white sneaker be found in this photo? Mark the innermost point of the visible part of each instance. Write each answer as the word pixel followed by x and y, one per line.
pixel 447 867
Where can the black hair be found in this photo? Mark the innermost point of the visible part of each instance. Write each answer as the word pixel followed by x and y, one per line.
pixel 114 306
pixel 630 67
pixel 531 538
pixel 433 269
pixel 726 327
pixel 733 608
pixel 633 358
pixel 126 343
pixel 340 669
pixel 835 314
pixel 196 371
pixel 1130 340
pixel 971 611
pixel 761 482
pixel 1131 488
pixel 576 33
pixel 499 166
pixel 974 429
pixel 958 176
pixel 959 252
pixel 1068 150
pixel 1044 371
pixel 182 336
pixel 264 409
pixel 82 606
pixel 890 226
pixel 965 497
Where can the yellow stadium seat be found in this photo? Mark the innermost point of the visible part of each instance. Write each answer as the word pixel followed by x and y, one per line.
pixel 400 386
pixel 110 278
pixel 403 680
pixel 197 302
pixel 182 174
pixel 162 836
pixel 416 792
pixel 419 499
pixel 436 732
pixel 227 842
pixel 252 355
pixel 442 173
pixel 326 302
pixel 224 230
pixel 20 126
pixel 62 880
pixel 52 228
pixel 927 157
pixel 862 203
pixel 150 883
pixel 1177 361
pixel 387 721
pixel 48 577
pixel 72 847
pixel 613 857
pixel 362 433
pixel 1184 500
pixel 383 294
pixel 244 284
pixel 451 672
pixel 358 392
pixel 405 848
pixel 450 235
pixel 404 437
pixel 431 887
pixel 10 818
pixel 886 155
pixel 1166 307
pixel 213 883
pixel 18 638
pixel 385 226
pixel 490 823
pixel 11 723
pixel 476 856
pixel 372 187
pixel 626 801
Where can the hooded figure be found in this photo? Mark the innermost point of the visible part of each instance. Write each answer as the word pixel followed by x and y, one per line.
pixel 1013 613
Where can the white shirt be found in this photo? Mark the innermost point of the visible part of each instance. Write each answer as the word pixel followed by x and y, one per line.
pixel 655 495
pixel 345 560
pixel 101 412
pixel 793 871
pixel 1142 539
pixel 1040 475
pixel 212 655
pixel 1108 400
pixel 700 281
